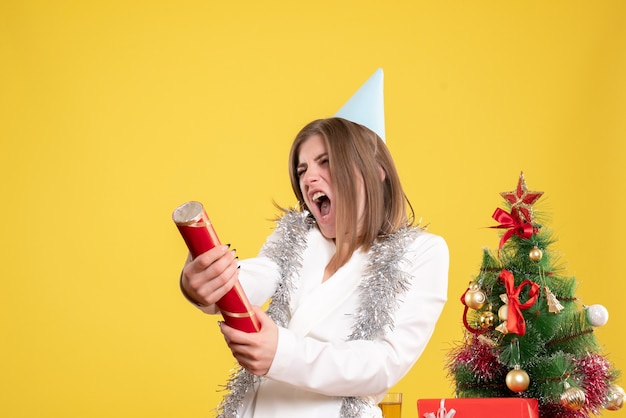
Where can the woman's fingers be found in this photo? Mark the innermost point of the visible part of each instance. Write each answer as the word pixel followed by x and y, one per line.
pixel 254 351
pixel 214 289
pixel 210 275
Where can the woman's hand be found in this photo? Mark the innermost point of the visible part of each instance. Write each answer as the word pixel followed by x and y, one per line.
pixel 254 351
pixel 210 275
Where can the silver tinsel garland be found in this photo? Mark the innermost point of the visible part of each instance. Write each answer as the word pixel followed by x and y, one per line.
pixel 379 292
pixel 383 284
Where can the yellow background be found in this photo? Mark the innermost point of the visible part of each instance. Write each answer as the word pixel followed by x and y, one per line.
pixel 113 112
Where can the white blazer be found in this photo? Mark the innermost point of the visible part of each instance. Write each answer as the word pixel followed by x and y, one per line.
pixel 315 366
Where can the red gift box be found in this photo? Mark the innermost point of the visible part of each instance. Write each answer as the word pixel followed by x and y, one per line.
pixel 479 407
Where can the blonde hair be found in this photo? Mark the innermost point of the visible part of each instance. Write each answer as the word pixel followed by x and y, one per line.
pixel 352 147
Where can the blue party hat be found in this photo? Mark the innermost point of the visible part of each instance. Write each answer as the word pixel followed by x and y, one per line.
pixel 366 107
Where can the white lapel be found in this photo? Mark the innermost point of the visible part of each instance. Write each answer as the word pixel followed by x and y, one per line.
pixel 315 301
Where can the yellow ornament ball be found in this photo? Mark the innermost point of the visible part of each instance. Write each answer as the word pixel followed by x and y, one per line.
pixel 487 319
pixel 475 298
pixel 517 380
pixel 535 254
pixel 615 398
pixel 573 398
pixel 503 312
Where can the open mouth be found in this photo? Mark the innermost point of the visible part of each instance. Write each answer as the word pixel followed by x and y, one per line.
pixel 322 202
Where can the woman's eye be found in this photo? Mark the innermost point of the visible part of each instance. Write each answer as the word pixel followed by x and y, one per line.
pixel 299 173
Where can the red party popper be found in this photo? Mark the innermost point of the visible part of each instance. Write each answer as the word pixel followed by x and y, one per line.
pixel 195 227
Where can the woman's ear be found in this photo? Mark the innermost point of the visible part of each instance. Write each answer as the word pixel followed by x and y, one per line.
pixel 383 174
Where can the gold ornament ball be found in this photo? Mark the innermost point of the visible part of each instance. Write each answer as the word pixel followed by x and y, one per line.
pixel 535 254
pixel 517 380
pixel 475 298
pixel 573 398
pixel 503 312
pixel 615 398
pixel 487 319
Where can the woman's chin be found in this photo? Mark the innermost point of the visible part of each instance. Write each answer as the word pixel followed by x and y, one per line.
pixel 326 226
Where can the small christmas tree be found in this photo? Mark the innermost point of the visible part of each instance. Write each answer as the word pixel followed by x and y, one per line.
pixel 527 334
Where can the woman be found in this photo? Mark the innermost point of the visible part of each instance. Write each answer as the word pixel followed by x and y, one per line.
pixel 355 289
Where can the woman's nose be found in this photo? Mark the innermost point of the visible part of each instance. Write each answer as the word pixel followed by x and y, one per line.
pixel 311 176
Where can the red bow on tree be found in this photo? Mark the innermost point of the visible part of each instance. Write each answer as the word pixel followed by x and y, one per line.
pixel 515 226
pixel 515 320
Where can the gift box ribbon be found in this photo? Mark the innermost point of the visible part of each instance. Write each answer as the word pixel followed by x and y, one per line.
pixel 441 412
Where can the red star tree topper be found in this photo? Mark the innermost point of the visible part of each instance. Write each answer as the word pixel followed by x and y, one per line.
pixel 521 200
